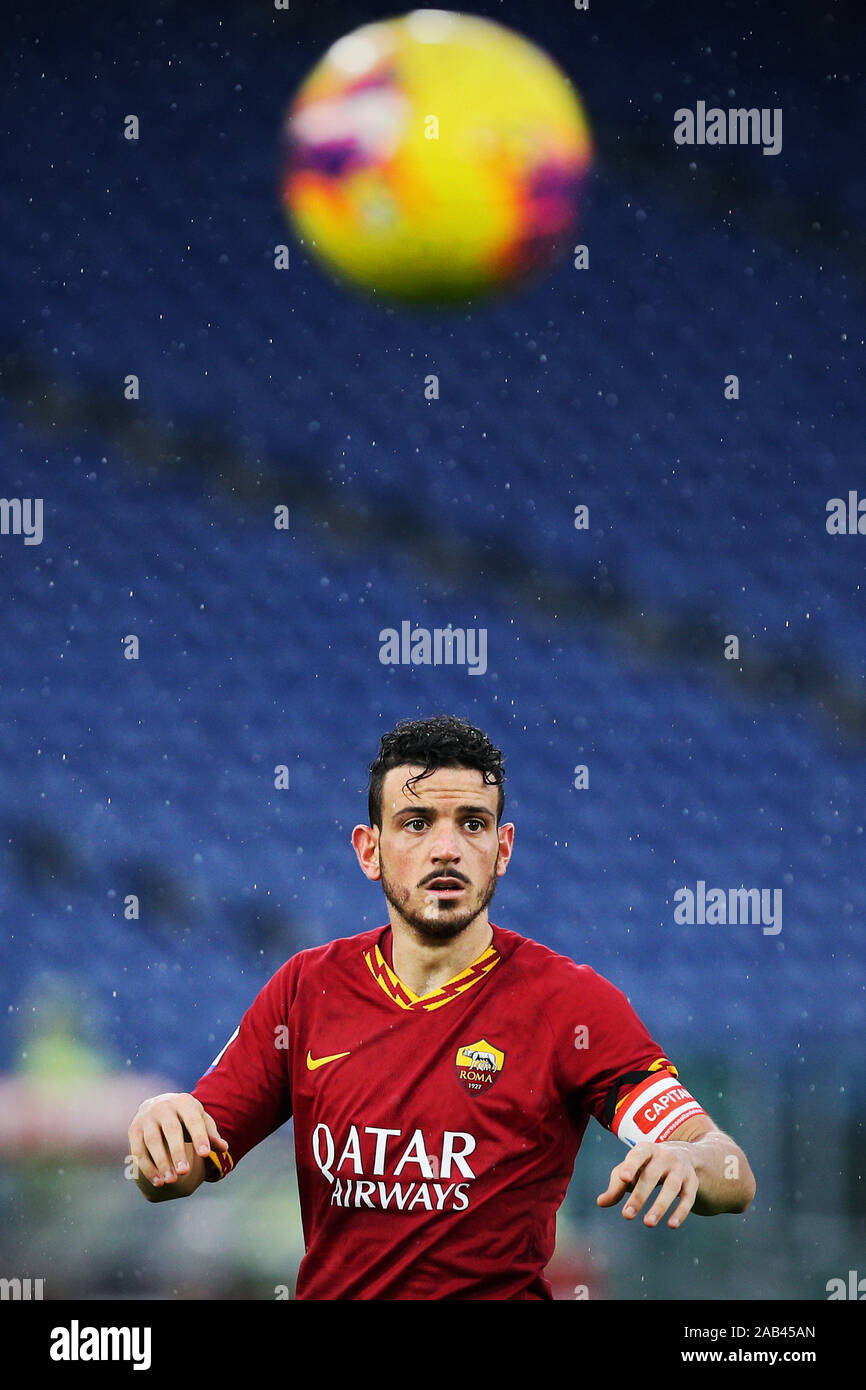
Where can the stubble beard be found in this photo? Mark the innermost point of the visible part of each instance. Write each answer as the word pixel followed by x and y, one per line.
pixel 438 922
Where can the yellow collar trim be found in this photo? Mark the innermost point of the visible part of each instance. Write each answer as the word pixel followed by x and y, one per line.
pixel 403 995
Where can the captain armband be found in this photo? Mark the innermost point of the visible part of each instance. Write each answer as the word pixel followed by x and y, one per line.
pixel 653 1110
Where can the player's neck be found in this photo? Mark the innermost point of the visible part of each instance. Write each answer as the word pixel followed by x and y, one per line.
pixel 425 966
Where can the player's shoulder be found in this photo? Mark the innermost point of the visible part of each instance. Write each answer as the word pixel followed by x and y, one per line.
pixel 551 969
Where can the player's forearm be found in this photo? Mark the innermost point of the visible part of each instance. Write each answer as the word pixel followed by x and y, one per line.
pixel 725 1180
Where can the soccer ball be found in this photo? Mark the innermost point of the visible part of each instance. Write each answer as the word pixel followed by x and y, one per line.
pixel 435 158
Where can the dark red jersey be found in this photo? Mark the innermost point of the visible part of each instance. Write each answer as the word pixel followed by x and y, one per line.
pixel 435 1137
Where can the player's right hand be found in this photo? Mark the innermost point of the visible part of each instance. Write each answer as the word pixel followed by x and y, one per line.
pixel 160 1131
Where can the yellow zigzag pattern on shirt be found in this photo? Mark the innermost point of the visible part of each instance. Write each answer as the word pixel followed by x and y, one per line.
pixel 402 995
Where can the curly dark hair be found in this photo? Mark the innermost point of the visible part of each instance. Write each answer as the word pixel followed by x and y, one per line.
pixel 441 741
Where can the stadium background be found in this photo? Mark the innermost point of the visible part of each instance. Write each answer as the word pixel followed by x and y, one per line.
pixel 604 387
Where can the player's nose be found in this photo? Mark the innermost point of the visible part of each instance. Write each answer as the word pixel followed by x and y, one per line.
pixel 445 847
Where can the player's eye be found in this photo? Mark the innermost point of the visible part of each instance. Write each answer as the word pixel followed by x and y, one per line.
pixel 416 820
pixel 474 821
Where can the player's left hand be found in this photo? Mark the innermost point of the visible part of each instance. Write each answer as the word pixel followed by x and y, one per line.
pixel 645 1168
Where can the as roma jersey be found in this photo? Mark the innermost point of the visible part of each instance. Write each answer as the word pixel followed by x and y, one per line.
pixel 435 1137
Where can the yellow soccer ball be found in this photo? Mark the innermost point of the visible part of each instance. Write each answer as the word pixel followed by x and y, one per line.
pixel 435 158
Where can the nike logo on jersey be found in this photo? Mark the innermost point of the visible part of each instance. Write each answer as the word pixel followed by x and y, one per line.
pixel 313 1062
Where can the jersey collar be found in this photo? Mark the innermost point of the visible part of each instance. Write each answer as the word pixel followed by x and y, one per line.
pixel 403 996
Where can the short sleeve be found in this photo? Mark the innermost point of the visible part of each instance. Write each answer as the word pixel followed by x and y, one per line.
pixel 602 1049
pixel 246 1088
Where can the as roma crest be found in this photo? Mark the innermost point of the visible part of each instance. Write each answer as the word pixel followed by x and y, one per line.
pixel 478 1065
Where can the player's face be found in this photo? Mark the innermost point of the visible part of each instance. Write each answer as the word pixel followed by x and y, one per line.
pixel 439 850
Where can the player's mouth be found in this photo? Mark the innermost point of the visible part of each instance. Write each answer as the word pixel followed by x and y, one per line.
pixel 445 887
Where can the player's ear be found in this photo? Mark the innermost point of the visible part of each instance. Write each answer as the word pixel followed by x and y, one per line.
pixel 365 841
pixel 506 845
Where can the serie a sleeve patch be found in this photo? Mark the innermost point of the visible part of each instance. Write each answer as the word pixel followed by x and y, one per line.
pixel 653 1110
